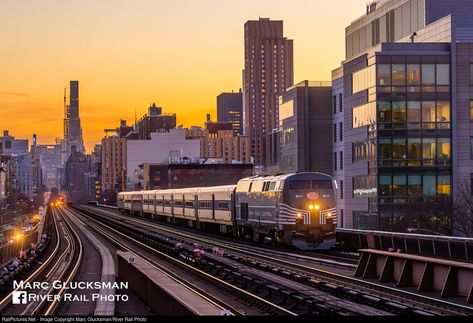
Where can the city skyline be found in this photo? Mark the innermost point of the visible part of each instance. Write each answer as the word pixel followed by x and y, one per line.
pixel 143 71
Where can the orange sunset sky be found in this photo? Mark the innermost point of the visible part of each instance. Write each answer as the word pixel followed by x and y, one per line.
pixel 127 54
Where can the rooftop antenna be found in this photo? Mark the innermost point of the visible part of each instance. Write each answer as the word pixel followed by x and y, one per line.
pixel 414 35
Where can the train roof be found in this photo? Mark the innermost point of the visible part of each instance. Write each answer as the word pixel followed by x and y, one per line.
pixel 293 176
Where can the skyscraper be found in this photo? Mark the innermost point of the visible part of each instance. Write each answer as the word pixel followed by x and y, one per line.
pixel 268 72
pixel 72 126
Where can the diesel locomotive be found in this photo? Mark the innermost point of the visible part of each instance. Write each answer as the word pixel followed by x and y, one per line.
pixel 293 209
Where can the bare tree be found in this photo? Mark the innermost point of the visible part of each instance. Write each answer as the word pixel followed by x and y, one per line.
pixel 463 210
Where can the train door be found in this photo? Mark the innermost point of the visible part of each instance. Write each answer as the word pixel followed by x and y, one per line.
pixel 196 211
pixel 244 213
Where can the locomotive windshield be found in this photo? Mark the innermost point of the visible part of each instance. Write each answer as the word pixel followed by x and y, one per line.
pixel 307 185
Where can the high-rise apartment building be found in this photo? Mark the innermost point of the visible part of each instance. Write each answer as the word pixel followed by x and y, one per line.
pixel 72 124
pixel 230 109
pixel 402 115
pixel 268 73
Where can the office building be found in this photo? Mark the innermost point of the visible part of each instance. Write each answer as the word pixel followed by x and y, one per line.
pixel 230 109
pixel 404 96
pixel 268 73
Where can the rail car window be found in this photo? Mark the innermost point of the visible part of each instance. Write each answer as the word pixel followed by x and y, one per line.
pixel 167 203
pixel 222 205
pixel 299 185
pixel 205 204
pixel 266 186
pixel 178 203
pixel 189 204
pixel 272 186
pixel 159 202
pixel 322 185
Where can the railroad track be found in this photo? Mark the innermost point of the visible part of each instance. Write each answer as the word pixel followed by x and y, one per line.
pixel 292 296
pixel 374 294
pixel 62 264
pixel 127 243
pixel 348 262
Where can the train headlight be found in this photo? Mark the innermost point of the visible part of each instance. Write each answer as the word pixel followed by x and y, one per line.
pixel 317 207
pixel 311 207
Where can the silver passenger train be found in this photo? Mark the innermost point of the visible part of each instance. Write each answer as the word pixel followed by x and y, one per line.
pixel 295 209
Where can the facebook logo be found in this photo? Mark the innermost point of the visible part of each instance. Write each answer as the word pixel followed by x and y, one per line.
pixel 19 298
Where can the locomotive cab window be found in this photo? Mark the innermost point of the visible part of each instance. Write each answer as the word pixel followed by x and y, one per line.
pixel 322 185
pixel 299 185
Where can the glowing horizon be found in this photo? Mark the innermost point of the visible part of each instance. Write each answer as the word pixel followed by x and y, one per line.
pixel 128 54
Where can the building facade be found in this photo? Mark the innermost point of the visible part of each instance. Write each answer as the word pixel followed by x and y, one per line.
pixel 77 171
pixel 163 147
pixel 305 128
pixel 154 121
pixel 230 109
pixel 405 93
pixel 268 73
pixel 17 150
pixel 72 123
pixel 113 164
pixel 172 176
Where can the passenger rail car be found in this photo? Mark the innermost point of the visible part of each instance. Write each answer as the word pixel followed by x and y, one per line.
pixel 296 209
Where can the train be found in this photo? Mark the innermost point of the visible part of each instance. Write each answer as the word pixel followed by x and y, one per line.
pixel 296 209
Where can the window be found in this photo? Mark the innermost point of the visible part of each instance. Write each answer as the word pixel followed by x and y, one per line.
pixel 414 151
pixel 471 148
pixel 341 160
pixel 415 186
pixel 399 113
pixel 385 149
pixel 429 187
pixel 334 104
pixel 385 186
pixel 390 38
pixel 223 205
pixel 341 131
pixel 444 151
pixel 363 79
pixel 413 75
pixel 335 166
pixel 444 186
pixel 321 185
pixel 443 114
pixel 384 75
pixel 375 32
pixel 428 77
pixel 384 112
pixel 299 185
pixel 399 74
pixel 428 151
pixel 342 190
pixel 414 116
pixel 340 101
pixel 335 133
pixel 428 114
pixel 399 149
pixel 443 74
pixel 400 186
